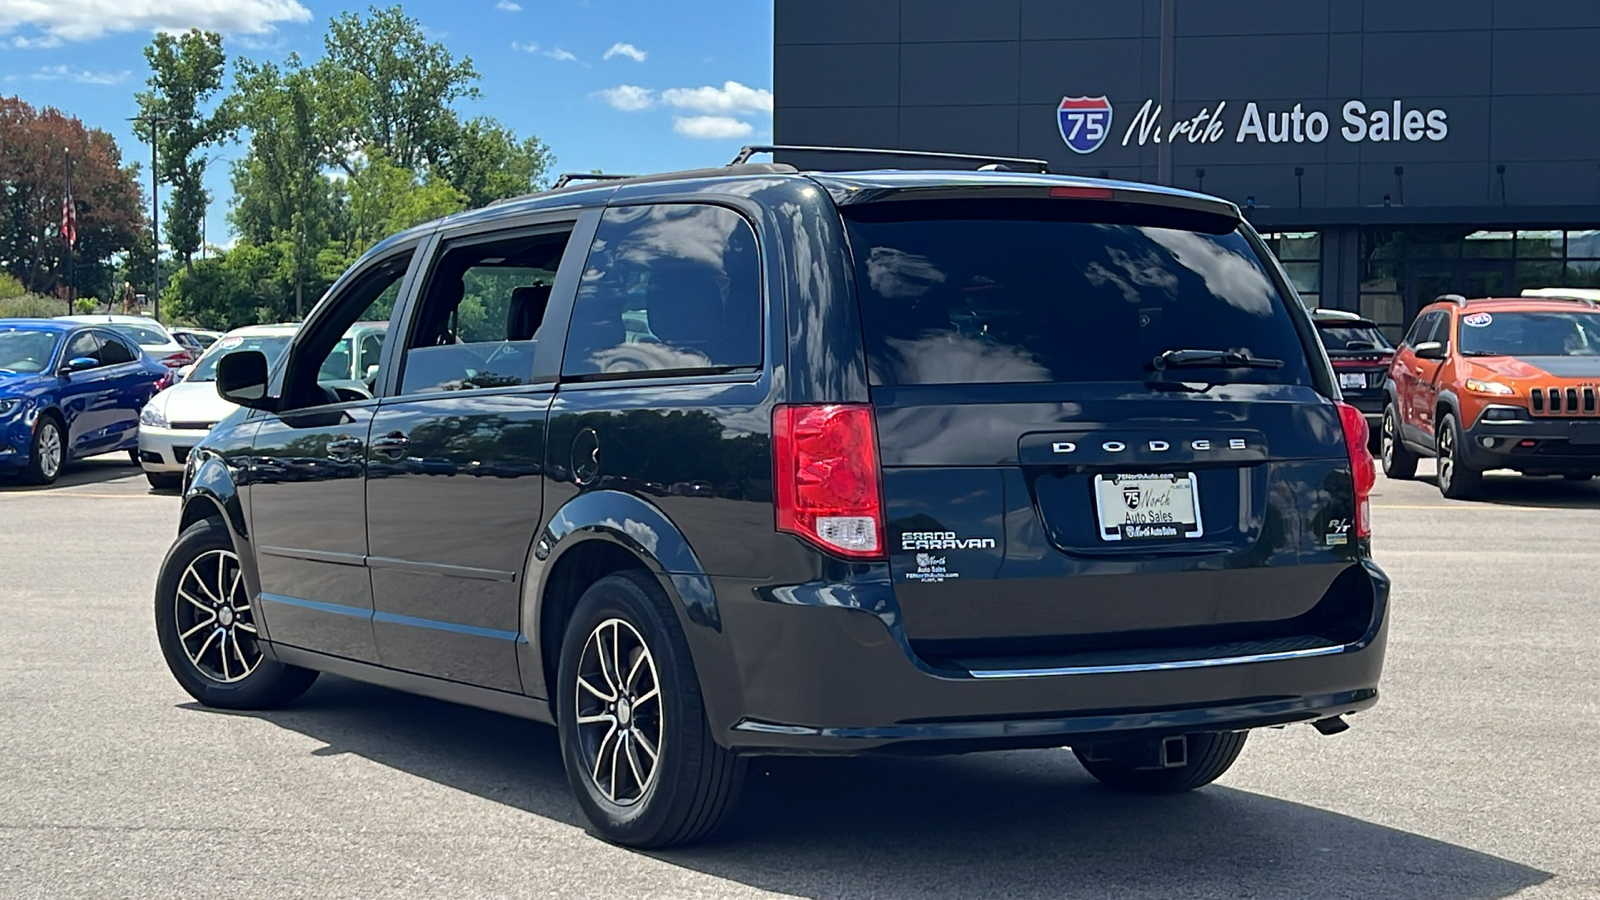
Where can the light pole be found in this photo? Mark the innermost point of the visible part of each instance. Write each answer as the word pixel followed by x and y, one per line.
pixel 155 206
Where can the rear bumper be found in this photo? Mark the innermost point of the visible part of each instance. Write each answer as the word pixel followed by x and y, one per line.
pixel 821 670
pixel 1560 446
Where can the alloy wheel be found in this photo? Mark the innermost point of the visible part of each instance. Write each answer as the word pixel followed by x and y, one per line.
pixel 216 625
pixel 619 714
pixel 49 449
pixel 1447 454
pixel 1386 440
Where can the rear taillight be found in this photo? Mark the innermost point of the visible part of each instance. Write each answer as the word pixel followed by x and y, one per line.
pixel 177 360
pixel 826 478
pixel 1363 471
pixel 167 379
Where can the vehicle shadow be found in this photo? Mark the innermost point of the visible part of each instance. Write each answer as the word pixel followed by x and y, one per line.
pixel 1019 825
pixel 110 467
pixel 1542 492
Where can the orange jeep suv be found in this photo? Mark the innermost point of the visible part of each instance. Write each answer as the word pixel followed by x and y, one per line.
pixel 1496 384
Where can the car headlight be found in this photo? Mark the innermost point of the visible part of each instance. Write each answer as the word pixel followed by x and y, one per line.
pixel 1490 387
pixel 6 406
pixel 152 416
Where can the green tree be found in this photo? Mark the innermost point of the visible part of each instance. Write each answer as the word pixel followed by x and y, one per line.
pixel 186 73
pixel 398 86
pixel 386 199
pixel 486 162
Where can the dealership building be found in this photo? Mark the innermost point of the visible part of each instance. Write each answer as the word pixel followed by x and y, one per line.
pixel 1391 150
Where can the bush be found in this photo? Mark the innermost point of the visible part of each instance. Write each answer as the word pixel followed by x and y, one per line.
pixel 86 306
pixel 10 287
pixel 31 306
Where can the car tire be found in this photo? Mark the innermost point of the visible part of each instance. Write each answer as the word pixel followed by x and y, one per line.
pixel 1399 462
pixel 1210 754
pixel 1457 479
pixel 163 482
pixel 200 584
pixel 133 456
pixel 47 456
pixel 611 721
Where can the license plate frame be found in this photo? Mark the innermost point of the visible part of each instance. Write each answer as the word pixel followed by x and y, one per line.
pixel 1148 506
pixel 1352 381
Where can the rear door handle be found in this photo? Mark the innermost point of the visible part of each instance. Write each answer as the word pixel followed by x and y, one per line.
pixel 391 445
pixel 344 447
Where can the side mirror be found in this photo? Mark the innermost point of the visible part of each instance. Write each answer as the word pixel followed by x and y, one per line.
pixel 242 379
pixel 372 372
pixel 1429 350
pixel 78 364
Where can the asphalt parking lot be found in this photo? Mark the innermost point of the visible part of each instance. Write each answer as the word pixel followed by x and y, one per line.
pixel 1475 777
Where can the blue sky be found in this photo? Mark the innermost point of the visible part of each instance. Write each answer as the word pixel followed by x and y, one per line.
pixel 618 85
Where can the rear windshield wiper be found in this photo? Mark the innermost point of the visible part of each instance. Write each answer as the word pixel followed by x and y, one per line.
pixel 1212 359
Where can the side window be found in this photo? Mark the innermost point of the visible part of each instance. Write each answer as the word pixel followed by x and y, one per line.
pixel 667 288
pixel 478 323
pixel 84 344
pixel 1422 327
pixel 114 351
pixel 323 370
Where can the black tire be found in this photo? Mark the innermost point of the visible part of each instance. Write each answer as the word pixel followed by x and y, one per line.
pixel 693 783
pixel 1457 479
pixel 133 456
pixel 1399 463
pixel 164 482
pixel 1210 755
pixel 268 684
pixel 40 470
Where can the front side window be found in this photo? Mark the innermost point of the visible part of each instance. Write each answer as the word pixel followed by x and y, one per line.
pixel 83 346
pixel 668 289
pixel 967 292
pixel 478 324
pixel 1530 334
pixel 321 370
pixel 22 350
pixel 1422 328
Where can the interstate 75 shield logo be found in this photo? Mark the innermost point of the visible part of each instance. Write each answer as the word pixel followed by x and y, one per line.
pixel 1085 122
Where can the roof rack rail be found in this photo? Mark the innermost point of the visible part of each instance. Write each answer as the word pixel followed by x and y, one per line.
pixel 569 177
pixel 1003 163
pixel 1590 296
pixel 1457 299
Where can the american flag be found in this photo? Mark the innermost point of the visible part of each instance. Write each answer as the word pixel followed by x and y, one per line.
pixel 69 211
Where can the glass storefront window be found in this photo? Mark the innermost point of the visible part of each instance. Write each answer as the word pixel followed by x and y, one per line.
pixel 1583 244
pixel 1300 252
pixel 1487 245
pixel 1537 244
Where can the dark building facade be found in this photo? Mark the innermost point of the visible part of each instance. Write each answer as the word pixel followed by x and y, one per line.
pixel 1393 150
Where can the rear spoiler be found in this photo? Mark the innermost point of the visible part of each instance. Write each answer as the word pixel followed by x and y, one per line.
pixel 848 191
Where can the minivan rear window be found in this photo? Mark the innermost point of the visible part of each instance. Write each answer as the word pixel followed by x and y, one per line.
pixel 970 292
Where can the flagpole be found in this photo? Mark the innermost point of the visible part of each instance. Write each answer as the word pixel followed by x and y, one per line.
pixel 69 231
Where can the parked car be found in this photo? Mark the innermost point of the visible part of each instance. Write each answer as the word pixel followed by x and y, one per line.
pixel 1021 461
pixel 153 338
pixel 195 340
pixel 1505 383
pixel 67 391
pixel 179 416
pixel 1361 356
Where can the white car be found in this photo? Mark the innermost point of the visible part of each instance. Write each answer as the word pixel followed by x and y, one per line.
pixel 151 336
pixel 178 418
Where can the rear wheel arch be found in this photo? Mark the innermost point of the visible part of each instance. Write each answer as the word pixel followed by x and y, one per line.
pixel 584 563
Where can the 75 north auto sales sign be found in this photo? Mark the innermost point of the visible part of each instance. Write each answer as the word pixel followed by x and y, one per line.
pixel 1086 123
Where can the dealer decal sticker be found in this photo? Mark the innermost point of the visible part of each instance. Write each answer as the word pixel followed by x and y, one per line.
pixel 931 570
pixel 1477 320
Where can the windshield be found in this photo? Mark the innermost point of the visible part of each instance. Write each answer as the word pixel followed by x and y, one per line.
pixel 270 345
pixel 144 334
pixel 1353 337
pixel 1005 292
pixel 1531 334
pixel 26 351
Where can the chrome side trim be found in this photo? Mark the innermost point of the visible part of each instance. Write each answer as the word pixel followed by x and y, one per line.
pixel 1160 666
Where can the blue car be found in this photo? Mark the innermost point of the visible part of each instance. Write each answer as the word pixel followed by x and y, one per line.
pixel 68 390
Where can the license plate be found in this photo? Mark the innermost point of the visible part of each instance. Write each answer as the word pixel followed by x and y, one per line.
pixel 1352 379
pixel 1146 507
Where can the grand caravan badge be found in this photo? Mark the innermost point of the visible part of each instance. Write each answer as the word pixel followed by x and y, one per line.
pixel 942 540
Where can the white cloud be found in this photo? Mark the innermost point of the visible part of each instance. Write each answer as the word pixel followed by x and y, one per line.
pixel 732 97
pixel 77 20
pixel 508 6
pixel 39 43
pixel 525 48
pixel 80 76
pixel 711 127
pixel 628 97
pixel 628 50
pixel 560 55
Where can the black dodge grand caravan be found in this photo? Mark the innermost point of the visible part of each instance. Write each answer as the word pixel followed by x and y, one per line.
pixel 749 460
